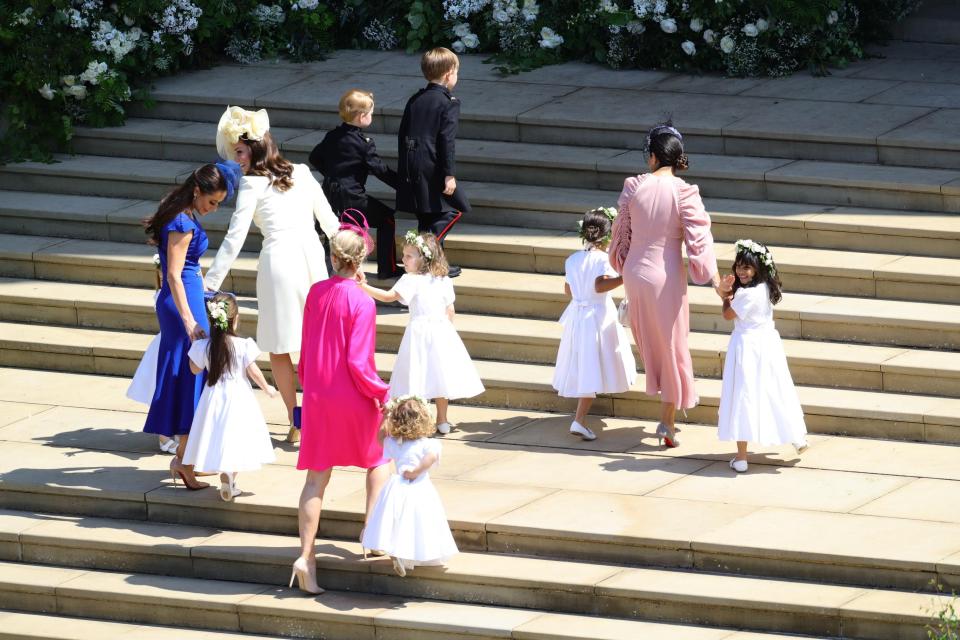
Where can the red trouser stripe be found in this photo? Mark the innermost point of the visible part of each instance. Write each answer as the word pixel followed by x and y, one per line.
pixel 449 224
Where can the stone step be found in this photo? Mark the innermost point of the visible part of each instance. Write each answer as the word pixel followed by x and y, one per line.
pixel 817 118
pixel 804 270
pixel 17 625
pixel 527 163
pixel 528 386
pixel 510 481
pixel 830 364
pixel 807 316
pixel 518 206
pixel 578 588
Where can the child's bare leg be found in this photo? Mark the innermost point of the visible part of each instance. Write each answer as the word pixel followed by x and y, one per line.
pixel 741 449
pixel 285 376
pixel 583 407
pixel 442 404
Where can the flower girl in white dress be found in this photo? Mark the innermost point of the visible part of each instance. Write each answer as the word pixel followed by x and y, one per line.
pixel 432 361
pixel 408 522
pixel 228 433
pixel 758 402
pixel 595 355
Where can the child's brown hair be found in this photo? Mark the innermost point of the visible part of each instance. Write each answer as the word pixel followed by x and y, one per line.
pixel 353 103
pixel 222 312
pixel 438 62
pixel 408 418
pixel 432 258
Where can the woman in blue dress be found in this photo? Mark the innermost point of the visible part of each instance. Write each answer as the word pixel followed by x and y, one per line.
pixel 175 229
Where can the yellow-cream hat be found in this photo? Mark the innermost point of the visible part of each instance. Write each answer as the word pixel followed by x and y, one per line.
pixel 236 122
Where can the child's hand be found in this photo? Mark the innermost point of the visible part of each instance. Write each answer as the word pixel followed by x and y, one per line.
pixel 410 474
pixel 449 185
pixel 271 391
pixel 360 276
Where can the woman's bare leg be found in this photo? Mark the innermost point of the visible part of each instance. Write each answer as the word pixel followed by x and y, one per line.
pixel 442 404
pixel 741 449
pixel 668 414
pixel 308 515
pixel 376 478
pixel 286 378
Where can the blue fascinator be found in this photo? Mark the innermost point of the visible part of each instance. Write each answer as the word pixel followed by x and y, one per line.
pixel 232 173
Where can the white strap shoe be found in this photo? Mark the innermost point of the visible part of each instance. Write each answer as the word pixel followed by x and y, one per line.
pixel 740 466
pixel 578 429
pixel 443 427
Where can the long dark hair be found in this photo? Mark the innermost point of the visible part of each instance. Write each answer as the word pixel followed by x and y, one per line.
pixel 265 160
pixel 208 179
pixel 666 145
pixel 763 274
pixel 220 349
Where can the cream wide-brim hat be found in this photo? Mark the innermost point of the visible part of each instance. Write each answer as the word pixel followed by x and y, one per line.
pixel 237 122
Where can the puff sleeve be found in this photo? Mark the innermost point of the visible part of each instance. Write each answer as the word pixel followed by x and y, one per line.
pixel 696 233
pixel 406 288
pixel 198 353
pixel 250 352
pixel 621 233
pixel 247 200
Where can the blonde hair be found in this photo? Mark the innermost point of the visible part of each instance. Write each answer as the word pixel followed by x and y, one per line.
pixel 355 102
pixel 348 246
pixel 438 62
pixel 409 419
pixel 437 265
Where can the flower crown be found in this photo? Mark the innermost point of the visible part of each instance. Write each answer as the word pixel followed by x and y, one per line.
pixel 399 400
pixel 760 251
pixel 415 239
pixel 217 310
pixel 611 214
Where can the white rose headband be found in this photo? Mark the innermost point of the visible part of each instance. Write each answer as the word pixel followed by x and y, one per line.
pixel 760 251
pixel 416 240
pixel 236 123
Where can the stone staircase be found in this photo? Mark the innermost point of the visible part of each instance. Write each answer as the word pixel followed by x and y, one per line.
pixel 856 194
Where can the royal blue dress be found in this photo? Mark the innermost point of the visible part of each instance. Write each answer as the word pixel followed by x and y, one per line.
pixel 178 390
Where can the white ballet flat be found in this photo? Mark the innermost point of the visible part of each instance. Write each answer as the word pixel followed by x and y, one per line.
pixel 578 429
pixel 800 447
pixel 740 466
pixel 443 427
pixel 170 446
pixel 229 490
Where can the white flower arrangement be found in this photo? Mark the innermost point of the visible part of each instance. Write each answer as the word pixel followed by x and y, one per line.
pixel 94 72
pixel 727 44
pixel 709 36
pixel 531 10
pixel 550 39
pixel 668 25
pixel 217 310
pixel 696 25
pixel 47 92
pixel 688 47
pixel 415 239
pixel 156 260
pixel 832 18
pixel 750 30
pixel 760 251
pixel 762 25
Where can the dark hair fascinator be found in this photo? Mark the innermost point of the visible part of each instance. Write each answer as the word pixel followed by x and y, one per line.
pixel 232 173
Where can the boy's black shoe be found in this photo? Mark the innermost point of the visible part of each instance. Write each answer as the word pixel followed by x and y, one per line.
pixel 453 272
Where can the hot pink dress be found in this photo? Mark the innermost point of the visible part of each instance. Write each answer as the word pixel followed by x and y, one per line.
pixel 657 215
pixel 339 379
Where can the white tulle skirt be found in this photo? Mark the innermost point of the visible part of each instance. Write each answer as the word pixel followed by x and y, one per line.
pixel 595 355
pixel 409 523
pixel 144 381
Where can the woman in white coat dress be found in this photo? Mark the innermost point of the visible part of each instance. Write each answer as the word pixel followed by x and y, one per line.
pixel 282 199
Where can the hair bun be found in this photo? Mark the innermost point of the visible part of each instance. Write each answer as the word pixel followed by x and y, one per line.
pixel 683 163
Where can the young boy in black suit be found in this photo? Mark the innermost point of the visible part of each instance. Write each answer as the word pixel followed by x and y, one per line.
pixel 346 157
pixel 427 183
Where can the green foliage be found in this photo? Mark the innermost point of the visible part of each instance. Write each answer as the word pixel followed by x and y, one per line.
pixel 946 625
pixel 425 25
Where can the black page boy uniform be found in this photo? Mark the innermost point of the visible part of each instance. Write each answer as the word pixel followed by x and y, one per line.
pixel 427 148
pixel 345 157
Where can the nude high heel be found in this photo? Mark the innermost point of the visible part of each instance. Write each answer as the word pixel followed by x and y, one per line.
pixel 301 573
pixel 376 553
pixel 177 469
pixel 663 437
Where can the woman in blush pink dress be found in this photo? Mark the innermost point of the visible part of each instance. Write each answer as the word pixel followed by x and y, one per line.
pixel 342 393
pixel 659 213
